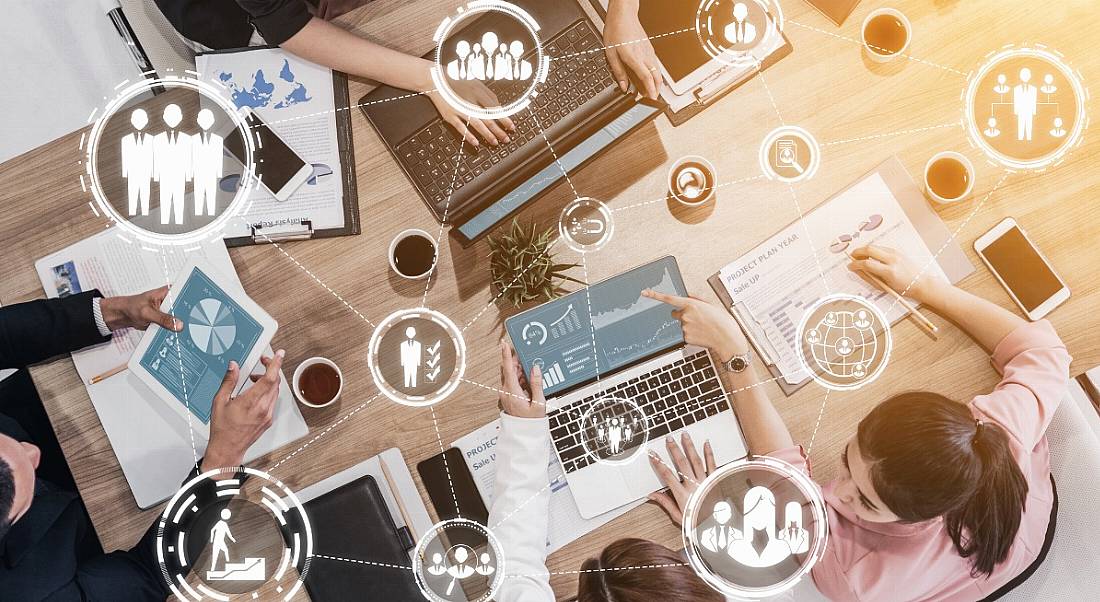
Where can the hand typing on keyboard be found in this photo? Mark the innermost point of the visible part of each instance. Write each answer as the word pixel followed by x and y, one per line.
pixel 705 324
pixel 493 131
pixel 517 398
pixel 688 470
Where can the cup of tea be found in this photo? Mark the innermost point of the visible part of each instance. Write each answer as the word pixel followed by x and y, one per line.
pixel 691 180
pixel 318 382
pixel 413 254
pixel 948 177
pixel 886 34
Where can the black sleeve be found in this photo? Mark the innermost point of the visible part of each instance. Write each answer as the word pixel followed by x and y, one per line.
pixel 277 20
pixel 38 330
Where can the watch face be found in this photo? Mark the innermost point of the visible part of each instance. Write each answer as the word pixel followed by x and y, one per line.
pixel 738 364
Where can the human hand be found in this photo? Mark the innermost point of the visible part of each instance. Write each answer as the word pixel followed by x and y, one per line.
pixel 237 422
pixel 493 131
pixel 627 46
pixel 689 469
pixel 515 401
pixel 897 271
pixel 138 311
pixel 705 324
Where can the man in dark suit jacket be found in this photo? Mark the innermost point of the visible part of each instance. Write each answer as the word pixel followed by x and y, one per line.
pixel 48 546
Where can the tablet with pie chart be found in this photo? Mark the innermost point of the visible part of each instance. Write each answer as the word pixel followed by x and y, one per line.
pixel 220 324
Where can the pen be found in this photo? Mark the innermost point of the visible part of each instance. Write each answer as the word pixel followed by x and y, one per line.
pixel 397 498
pixel 114 12
pixel 108 374
pixel 923 321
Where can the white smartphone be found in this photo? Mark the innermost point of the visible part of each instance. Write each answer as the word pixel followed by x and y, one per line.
pixel 280 170
pixel 1021 269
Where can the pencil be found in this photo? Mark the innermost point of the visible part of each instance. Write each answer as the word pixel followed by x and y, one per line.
pixel 397 498
pixel 107 374
pixel 920 318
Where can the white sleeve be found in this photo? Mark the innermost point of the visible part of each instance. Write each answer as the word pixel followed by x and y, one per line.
pixel 521 507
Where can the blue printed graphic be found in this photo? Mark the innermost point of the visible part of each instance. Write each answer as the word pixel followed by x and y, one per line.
pixel 258 93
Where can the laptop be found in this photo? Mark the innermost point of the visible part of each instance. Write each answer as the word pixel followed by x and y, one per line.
pixel 579 107
pixel 640 355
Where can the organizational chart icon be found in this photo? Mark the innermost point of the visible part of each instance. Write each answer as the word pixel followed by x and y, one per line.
pixel 489 61
pixel 789 154
pixel 1025 108
pixel 844 341
pixel 153 163
pixel 417 357
pixel 614 431
pixel 458 560
pixel 586 224
pixel 754 527
pixel 732 31
pixel 235 531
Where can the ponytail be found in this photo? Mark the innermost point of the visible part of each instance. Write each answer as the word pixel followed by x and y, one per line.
pixel 929 457
pixel 665 575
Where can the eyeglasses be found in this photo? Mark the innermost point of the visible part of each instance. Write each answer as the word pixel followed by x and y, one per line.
pixel 844 241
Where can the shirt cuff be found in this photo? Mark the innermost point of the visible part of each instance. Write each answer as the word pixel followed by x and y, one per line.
pixel 1033 335
pixel 97 314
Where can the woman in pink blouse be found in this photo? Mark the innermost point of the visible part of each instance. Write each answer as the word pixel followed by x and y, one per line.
pixel 939 500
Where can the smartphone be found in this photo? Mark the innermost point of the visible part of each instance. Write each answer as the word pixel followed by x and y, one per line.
pixel 280 170
pixel 1021 269
pixel 448 481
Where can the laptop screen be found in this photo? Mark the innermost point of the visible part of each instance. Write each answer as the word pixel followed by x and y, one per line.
pixel 625 327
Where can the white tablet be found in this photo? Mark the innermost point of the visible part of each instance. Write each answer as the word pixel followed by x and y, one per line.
pixel 220 324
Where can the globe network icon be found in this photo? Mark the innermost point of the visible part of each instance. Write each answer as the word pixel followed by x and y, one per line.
pixel 844 341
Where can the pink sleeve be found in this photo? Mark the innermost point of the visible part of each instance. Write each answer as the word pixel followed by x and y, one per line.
pixel 1034 365
pixel 795 456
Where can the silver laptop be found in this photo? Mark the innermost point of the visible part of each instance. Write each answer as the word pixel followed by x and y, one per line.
pixel 608 342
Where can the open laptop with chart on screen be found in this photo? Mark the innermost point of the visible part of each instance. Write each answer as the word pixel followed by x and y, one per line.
pixel 618 378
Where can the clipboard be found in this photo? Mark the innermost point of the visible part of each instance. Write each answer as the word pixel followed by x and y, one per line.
pixel 304 230
pixel 718 85
pixel 935 234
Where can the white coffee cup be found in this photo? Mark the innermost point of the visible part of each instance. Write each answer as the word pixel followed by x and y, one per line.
pixel 691 180
pixel 296 380
pixel 402 236
pixel 961 158
pixel 877 54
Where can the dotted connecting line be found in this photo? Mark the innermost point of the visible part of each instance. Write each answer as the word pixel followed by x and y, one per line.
pixel 366 562
pixel 505 288
pixel 312 275
pixel 898 133
pixel 820 414
pixel 764 82
pixel 183 374
pixel 882 50
pixel 554 153
pixel 666 197
pixel 446 212
pixel 600 570
pixel 949 240
pixel 591 321
pixel 325 432
pixel 350 107
pixel 446 465
pixel 616 45
pixel 522 505
pixel 809 239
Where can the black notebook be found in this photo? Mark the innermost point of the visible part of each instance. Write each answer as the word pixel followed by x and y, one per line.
pixel 353 522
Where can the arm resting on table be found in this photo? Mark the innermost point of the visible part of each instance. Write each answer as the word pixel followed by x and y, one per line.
pixel 38 330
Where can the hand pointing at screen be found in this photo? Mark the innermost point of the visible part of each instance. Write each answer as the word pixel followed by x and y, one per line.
pixel 705 324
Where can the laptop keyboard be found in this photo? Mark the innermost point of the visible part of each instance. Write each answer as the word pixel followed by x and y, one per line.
pixel 672 397
pixel 430 154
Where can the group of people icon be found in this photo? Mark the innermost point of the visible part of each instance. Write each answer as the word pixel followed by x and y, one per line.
pixel 172 158
pixel 615 433
pixel 740 31
pixel 1025 103
pixel 489 59
pixel 716 535
pixel 460 563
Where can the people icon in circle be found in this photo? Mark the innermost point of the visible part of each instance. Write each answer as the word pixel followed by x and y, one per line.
pixel 490 59
pixel 758 543
pixel 460 562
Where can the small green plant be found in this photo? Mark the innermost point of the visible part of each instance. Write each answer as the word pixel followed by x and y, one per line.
pixel 522 265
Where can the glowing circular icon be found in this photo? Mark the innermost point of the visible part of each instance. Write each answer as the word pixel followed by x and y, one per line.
pixel 417 357
pixel 153 164
pixel 458 560
pixel 586 224
pixel 692 180
pixel 1025 108
pixel 489 61
pixel 614 431
pixel 844 341
pixel 229 532
pixel 739 32
pixel 789 154
pixel 754 528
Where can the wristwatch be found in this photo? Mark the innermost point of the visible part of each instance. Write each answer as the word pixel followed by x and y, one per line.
pixel 738 362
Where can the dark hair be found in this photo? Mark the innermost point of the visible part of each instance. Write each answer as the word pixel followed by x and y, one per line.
pixel 661 572
pixel 929 457
pixel 7 497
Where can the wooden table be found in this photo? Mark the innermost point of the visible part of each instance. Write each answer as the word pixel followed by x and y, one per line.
pixel 862 113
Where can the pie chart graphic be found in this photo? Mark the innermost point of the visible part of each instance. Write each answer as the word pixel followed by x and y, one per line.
pixel 212 326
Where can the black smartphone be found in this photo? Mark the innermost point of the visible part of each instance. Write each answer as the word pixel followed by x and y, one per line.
pixel 442 471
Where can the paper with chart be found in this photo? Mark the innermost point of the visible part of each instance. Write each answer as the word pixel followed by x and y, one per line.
pixel 771 285
pixel 296 99
pixel 566 523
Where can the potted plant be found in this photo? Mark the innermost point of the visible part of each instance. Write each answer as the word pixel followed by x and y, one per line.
pixel 521 262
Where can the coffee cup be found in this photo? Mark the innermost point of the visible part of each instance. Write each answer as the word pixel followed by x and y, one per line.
pixel 317 382
pixel 948 177
pixel 691 181
pixel 413 254
pixel 886 34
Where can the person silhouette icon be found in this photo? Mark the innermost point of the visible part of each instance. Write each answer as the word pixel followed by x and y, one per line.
pixel 740 31
pixel 1025 104
pixel 411 352
pixel 206 164
pixel 862 320
pixel 172 165
pixel 1048 86
pixel 844 346
pixel 218 536
pixel 796 537
pixel 1058 131
pixel 759 515
pixel 137 163
pixel 437 568
pixel 1002 84
pixel 720 535
pixel 475 68
pixel 489 43
pixel 485 566
pixel 503 65
pixel 522 67
pixel 456 69
pixel 991 130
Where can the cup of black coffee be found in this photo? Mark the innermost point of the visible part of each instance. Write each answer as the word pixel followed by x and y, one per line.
pixel 318 382
pixel 413 254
